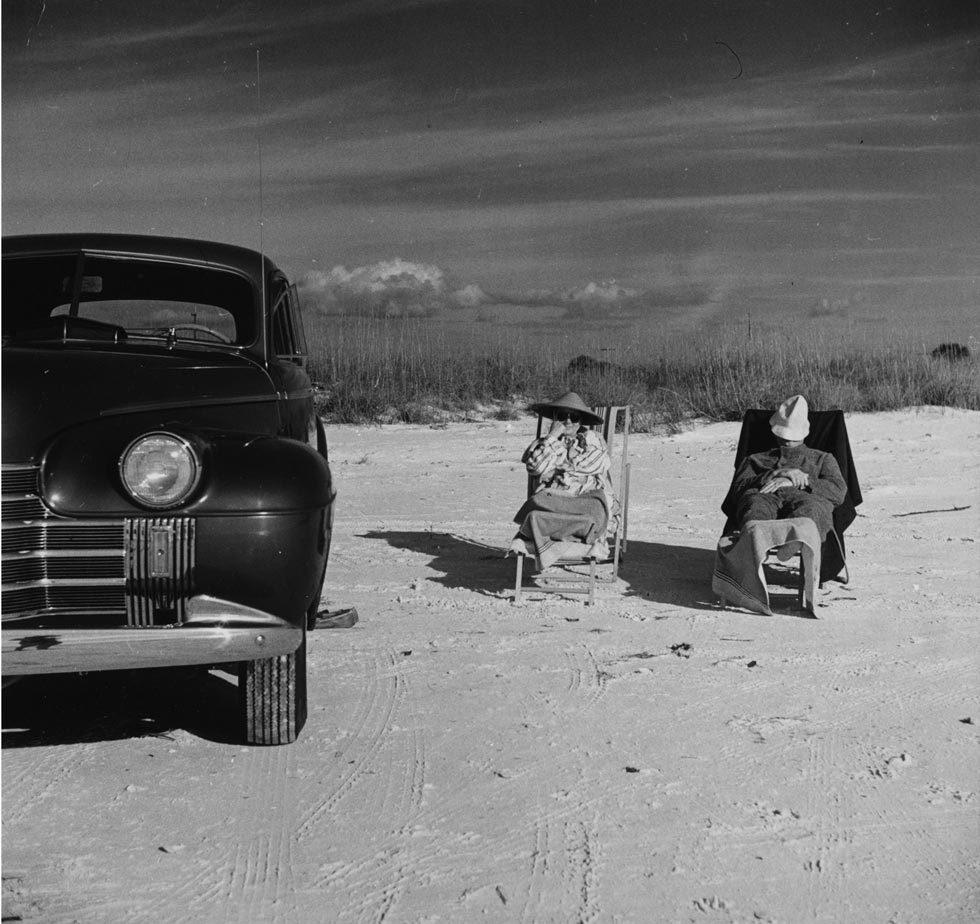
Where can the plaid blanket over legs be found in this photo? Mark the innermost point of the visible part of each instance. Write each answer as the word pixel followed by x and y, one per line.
pixel 548 519
pixel 738 574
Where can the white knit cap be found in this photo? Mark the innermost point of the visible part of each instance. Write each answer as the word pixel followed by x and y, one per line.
pixel 790 420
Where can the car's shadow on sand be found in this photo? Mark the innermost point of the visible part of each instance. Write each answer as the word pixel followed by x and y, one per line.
pixel 112 705
pixel 669 574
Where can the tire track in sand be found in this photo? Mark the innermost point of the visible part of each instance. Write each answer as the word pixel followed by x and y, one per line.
pixel 564 839
pixel 538 874
pixel 825 884
pixel 29 775
pixel 372 884
pixel 562 879
pixel 371 732
pixel 849 777
pixel 373 881
pixel 583 682
pixel 259 876
pixel 255 873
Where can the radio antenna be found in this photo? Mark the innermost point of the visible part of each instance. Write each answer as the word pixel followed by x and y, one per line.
pixel 258 138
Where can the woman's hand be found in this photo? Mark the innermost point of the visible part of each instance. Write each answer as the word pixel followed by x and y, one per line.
pixel 557 429
pixel 560 429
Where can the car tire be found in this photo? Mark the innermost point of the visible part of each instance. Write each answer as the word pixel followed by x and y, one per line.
pixel 272 696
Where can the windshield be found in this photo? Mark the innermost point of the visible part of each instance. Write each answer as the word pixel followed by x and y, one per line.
pixel 79 296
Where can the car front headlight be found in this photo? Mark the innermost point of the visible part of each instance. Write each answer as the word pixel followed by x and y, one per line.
pixel 160 470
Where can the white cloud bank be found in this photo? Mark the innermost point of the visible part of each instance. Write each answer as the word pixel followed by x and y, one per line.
pixel 390 289
pixel 400 288
pixel 609 292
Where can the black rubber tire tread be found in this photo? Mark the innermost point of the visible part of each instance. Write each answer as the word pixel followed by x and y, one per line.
pixel 272 696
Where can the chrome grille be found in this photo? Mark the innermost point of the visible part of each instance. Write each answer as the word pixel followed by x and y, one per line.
pixel 57 534
pixel 54 566
pixel 22 508
pixel 20 479
pixel 136 570
pixel 159 566
pixel 56 599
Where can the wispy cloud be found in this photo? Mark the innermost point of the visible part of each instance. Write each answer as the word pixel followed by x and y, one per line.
pixel 528 164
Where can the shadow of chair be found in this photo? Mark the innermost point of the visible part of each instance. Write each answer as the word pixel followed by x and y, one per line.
pixel 661 573
pixel 673 575
pixel 461 564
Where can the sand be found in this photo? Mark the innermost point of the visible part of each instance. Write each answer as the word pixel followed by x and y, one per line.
pixel 650 759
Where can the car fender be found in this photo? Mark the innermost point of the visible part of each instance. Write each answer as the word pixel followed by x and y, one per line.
pixel 241 473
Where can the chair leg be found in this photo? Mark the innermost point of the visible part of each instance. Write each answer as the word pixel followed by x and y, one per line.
pixel 801 590
pixel 591 582
pixel 518 583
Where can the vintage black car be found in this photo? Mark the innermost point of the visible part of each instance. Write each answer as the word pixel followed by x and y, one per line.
pixel 166 493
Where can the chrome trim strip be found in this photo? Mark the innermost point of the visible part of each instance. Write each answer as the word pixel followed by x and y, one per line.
pixel 27 651
pixel 45 554
pixel 204 609
pixel 62 522
pixel 65 582
pixel 189 402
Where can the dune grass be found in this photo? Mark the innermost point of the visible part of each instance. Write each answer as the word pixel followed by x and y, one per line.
pixel 390 370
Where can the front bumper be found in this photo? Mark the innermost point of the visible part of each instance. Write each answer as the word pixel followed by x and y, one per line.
pixel 215 631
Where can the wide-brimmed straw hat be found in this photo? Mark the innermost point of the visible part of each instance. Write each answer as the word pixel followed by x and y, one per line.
pixel 791 420
pixel 567 402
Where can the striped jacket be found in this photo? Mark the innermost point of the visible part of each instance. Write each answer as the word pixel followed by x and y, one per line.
pixel 570 464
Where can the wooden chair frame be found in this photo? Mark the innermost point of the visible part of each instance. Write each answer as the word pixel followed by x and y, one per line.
pixel 570 582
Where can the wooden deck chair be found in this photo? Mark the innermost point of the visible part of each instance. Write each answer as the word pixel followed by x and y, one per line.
pixel 828 432
pixel 561 578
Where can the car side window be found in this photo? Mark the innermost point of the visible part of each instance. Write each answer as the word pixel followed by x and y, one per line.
pixel 288 338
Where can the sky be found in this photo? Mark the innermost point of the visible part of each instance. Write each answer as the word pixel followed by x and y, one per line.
pixel 571 160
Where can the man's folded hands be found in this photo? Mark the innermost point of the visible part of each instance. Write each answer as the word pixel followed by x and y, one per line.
pixel 785 478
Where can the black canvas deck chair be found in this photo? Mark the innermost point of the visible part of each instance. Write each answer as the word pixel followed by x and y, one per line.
pixel 828 433
pixel 568 575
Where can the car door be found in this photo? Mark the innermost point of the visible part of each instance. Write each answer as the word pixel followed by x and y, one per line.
pixel 288 364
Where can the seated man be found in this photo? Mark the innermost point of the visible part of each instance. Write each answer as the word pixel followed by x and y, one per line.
pixel 573 498
pixel 792 480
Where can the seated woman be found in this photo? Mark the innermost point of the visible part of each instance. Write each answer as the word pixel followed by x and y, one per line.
pixel 573 497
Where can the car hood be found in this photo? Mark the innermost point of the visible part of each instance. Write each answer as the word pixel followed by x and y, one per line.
pixel 48 389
